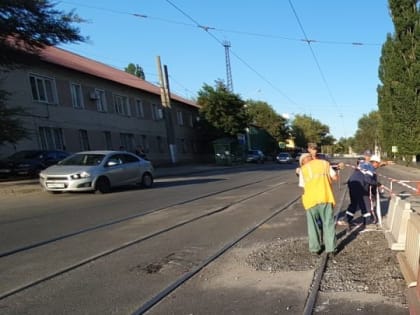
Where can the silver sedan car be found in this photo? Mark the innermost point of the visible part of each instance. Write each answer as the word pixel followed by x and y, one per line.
pixel 97 171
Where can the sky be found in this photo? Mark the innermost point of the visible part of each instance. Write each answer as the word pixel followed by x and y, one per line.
pixel 302 57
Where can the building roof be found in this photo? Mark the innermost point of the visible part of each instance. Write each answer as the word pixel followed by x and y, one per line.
pixel 79 63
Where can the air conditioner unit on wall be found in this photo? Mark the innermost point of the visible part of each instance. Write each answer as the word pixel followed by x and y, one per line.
pixel 93 96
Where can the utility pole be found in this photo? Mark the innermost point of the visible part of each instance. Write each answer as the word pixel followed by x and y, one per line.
pixel 165 97
pixel 229 81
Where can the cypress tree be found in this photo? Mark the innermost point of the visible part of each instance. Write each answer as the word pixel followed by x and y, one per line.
pixel 399 72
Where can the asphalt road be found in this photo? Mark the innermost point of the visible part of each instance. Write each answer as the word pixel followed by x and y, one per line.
pixel 92 288
pixel 128 248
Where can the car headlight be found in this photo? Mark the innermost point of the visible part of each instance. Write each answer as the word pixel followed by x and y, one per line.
pixel 80 175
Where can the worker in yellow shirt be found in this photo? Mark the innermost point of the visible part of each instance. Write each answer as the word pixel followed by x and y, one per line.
pixel 315 177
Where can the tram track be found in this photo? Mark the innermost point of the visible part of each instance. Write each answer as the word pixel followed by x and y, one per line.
pixel 319 273
pixel 312 296
pixel 184 278
pixel 109 251
pixel 124 219
pixel 179 281
pixel 312 290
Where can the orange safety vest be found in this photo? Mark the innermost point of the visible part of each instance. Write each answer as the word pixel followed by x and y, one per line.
pixel 317 184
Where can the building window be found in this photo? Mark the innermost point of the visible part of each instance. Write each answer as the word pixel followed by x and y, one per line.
pixel 121 105
pixel 179 118
pixel 43 89
pixel 51 138
pixel 108 140
pixel 139 108
pixel 76 95
pixel 84 140
pixel 157 112
pixel 127 141
pixel 100 100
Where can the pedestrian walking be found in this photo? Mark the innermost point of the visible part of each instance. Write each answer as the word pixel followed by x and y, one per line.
pixel 140 152
pixel 315 177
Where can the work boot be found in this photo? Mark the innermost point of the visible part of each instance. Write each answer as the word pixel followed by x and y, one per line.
pixel 353 226
pixel 368 221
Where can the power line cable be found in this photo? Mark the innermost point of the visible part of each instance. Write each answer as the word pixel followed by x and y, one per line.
pixel 214 29
pixel 207 30
pixel 316 60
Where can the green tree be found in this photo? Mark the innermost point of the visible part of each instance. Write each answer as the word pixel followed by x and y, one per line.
pixel 136 70
pixel 399 73
pixel 33 25
pixel 306 129
pixel 343 145
pixel 26 27
pixel 264 116
pixel 12 129
pixel 222 112
pixel 368 132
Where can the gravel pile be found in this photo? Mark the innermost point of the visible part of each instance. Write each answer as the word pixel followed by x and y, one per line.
pixel 284 255
pixel 364 263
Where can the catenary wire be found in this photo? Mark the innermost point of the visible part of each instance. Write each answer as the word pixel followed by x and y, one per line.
pixel 224 30
pixel 215 29
pixel 207 30
pixel 316 60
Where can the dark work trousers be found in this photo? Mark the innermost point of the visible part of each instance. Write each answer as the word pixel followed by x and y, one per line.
pixel 359 199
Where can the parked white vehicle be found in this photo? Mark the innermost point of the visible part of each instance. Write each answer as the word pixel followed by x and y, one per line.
pixel 97 171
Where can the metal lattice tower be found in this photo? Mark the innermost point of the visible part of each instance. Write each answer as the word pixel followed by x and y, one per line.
pixel 229 83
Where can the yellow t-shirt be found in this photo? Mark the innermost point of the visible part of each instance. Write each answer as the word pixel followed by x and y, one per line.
pixel 317 183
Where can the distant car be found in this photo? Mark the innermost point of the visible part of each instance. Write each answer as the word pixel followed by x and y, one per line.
pixel 322 156
pixel 30 162
pixel 256 156
pixel 97 171
pixel 284 157
pixel 334 164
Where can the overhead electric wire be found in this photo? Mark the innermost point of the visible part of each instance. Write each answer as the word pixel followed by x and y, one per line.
pixel 216 29
pixel 236 55
pixel 316 60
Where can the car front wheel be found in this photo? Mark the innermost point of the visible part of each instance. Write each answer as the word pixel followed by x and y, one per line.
pixel 147 180
pixel 103 185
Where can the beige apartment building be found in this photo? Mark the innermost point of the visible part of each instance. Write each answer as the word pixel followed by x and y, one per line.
pixel 74 103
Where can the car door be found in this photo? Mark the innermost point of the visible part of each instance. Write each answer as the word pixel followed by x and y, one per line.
pixel 132 169
pixel 114 170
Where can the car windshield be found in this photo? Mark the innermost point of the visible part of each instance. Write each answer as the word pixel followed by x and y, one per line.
pixel 283 154
pixel 83 159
